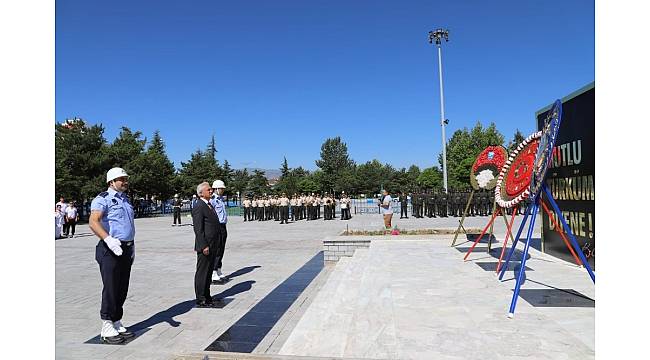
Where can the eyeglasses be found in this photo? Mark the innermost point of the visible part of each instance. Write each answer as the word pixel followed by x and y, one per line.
pixel 122 179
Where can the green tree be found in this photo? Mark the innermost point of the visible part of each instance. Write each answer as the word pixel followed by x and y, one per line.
pixel 334 159
pixel 462 149
pixel 307 185
pixel 201 167
pixel 258 183
pixel 239 181
pixel 371 177
pixel 287 182
pixel 517 139
pixel 430 178
pixel 81 160
pixel 211 150
pixel 127 152
pixel 413 174
pixel 347 181
pixel 227 177
pixel 156 171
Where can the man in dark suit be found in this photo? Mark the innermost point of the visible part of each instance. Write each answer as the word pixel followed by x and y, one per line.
pixel 206 231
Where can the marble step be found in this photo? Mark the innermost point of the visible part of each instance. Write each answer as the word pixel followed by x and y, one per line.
pixel 244 356
pixel 323 329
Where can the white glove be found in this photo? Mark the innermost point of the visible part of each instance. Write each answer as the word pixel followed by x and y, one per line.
pixel 114 244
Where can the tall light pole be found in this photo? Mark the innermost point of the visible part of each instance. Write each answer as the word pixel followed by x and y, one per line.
pixel 437 36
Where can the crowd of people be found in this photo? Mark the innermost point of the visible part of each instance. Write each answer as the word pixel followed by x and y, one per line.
pixel 298 207
pixel 66 216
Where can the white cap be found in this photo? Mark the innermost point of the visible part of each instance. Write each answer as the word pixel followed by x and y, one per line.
pixel 176 195
pixel 115 173
pixel 218 184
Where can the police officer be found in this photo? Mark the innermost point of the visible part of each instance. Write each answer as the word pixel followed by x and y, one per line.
pixel 111 219
pixel 219 205
pixel 177 203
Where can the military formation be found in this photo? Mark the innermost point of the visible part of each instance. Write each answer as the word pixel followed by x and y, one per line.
pixel 424 203
pixel 438 203
pixel 297 207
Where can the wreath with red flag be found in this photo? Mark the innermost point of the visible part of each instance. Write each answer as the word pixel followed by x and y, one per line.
pixel 486 167
pixel 513 183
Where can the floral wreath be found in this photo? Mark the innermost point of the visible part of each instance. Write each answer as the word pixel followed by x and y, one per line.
pixel 517 172
pixel 545 148
pixel 486 167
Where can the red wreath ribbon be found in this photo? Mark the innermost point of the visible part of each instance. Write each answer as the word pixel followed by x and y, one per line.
pixel 499 158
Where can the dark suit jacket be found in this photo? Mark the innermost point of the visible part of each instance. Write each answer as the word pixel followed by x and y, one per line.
pixel 206 227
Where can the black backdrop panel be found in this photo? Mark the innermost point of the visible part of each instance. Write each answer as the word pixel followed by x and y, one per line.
pixel 571 177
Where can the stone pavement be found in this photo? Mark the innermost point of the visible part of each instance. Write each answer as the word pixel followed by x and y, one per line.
pixel 259 256
pixel 415 298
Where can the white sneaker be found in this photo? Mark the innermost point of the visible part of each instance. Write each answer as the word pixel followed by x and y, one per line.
pixel 215 276
pixel 121 329
pixel 109 334
pixel 118 326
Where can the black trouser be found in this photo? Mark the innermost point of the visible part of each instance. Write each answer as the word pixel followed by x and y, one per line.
pixel 282 210
pixel 246 213
pixel 404 211
pixel 220 246
pixel 71 225
pixel 203 275
pixel 116 272
pixel 177 215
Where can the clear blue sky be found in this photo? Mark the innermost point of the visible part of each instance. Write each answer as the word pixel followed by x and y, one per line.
pixel 276 78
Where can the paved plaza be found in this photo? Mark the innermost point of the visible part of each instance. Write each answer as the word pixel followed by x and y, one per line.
pixel 404 297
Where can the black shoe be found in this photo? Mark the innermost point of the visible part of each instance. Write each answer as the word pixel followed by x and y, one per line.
pixel 204 304
pixel 112 339
pixel 127 334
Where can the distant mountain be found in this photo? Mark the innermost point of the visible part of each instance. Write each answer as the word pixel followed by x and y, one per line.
pixel 270 173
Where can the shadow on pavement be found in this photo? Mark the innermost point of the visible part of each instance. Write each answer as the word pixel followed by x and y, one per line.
pixel 236 289
pixel 242 271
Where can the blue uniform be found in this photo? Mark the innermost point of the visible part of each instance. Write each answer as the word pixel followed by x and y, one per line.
pixel 117 214
pixel 117 220
pixel 220 209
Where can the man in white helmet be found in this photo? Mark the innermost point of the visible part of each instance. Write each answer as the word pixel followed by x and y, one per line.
pixel 220 208
pixel 176 206
pixel 111 219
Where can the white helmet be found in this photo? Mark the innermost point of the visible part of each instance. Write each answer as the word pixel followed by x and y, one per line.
pixel 176 195
pixel 218 184
pixel 115 173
